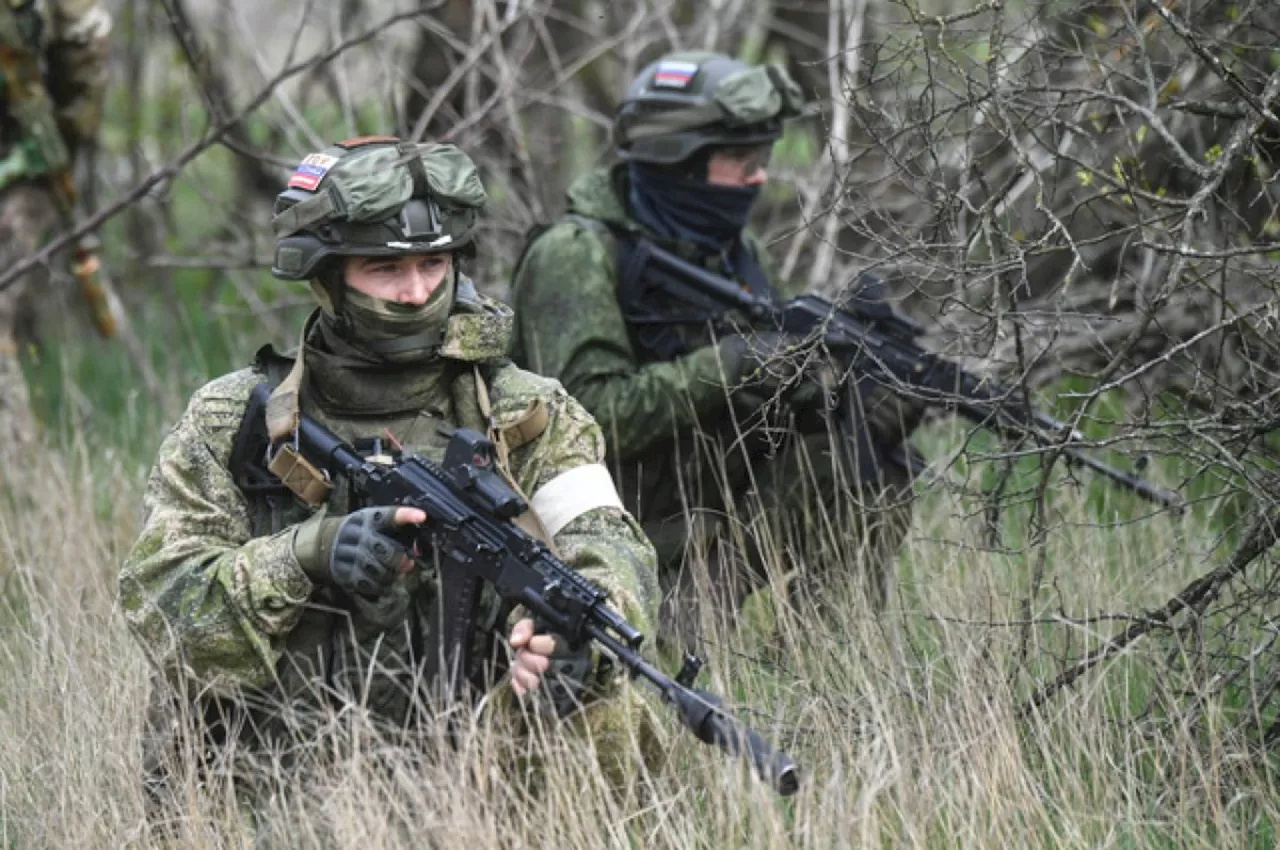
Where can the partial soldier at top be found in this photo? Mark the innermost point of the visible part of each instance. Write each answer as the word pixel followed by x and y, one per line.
pixel 53 66
pixel 695 133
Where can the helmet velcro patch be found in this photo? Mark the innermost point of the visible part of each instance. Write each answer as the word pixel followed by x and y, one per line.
pixel 360 141
pixel 311 171
pixel 674 74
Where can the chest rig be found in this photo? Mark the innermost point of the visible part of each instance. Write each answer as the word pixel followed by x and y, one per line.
pixel 661 327
pixel 282 489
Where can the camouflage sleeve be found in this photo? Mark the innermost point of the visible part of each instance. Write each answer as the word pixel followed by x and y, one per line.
pixel 77 59
pixel 572 328
pixel 605 543
pixel 204 597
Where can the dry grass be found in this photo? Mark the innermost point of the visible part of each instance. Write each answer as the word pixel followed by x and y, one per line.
pixel 906 726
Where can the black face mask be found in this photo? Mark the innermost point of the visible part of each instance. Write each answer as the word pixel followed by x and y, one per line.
pixel 689 209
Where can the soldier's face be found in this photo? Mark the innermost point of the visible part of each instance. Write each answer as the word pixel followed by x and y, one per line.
pixel 406 280
pixel 739 166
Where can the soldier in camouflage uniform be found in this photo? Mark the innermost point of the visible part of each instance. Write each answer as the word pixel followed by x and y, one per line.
pixel 680 407
pixel 71 35
pixel 250 599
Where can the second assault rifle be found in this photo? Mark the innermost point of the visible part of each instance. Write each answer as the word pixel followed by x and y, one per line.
pixel 470 510
pixel 41 152
pixel 868 336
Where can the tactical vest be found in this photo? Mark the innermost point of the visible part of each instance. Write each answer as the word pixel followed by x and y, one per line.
pixel 269 499
pixel 677 331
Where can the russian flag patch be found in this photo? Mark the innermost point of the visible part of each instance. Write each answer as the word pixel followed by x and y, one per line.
pixel 674 75
pixel 311 171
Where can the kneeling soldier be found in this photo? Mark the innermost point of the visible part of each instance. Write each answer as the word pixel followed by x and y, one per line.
pixel 253 598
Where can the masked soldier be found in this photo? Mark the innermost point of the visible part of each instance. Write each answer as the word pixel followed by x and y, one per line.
pixel 681 406
pixel 252 599
pixel 68 38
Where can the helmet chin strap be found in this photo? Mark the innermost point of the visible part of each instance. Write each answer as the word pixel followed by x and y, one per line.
pixel 328 284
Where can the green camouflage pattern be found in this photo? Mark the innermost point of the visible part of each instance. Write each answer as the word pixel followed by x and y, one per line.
pixel 74 46
pixel 479 331
pixel 225 609
pixel 379 198
pixel 758 94
pixel 681 437
pixel 569 325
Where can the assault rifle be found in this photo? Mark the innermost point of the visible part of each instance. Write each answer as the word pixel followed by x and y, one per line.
pixel 470 509
pixel 869 336
pixel 42 152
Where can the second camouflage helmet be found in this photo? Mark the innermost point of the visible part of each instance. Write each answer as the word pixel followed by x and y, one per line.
pixel 688 101
pixel 375 197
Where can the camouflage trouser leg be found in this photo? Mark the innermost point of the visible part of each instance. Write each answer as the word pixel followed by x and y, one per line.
pixel 799 507
pixel 26 214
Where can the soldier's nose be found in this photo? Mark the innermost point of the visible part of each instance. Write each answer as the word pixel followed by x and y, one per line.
pixel 417 288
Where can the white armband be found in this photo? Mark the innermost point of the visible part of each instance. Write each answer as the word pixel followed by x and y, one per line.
pixel 571 494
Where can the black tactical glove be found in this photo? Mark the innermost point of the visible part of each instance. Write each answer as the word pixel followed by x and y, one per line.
pixel 358 553
pixel 564 684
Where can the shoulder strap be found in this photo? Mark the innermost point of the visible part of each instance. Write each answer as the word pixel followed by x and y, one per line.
pixel 748 269
pixel 248 463
pixel 285 402
pixel 528 521
pixel 596 225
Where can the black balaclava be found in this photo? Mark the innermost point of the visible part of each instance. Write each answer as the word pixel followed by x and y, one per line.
pixel 683 206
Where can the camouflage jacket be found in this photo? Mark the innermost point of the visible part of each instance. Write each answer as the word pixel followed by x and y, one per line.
pixel 570 326
pixel 71 35
pixel 218 597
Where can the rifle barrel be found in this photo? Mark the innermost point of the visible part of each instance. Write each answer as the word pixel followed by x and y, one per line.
pixel 1136 484
pixel 703 715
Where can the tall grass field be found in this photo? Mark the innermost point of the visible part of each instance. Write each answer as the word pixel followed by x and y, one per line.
pixel 915 728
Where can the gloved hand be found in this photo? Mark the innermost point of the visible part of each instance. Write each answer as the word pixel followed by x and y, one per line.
pixel 548 658
pixel 362 553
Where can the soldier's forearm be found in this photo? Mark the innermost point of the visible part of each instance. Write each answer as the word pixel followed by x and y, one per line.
pixel 641 409
pixel 205 609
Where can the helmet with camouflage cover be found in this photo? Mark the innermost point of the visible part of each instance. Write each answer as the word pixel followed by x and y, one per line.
pixel 375 197
pixel 688 101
